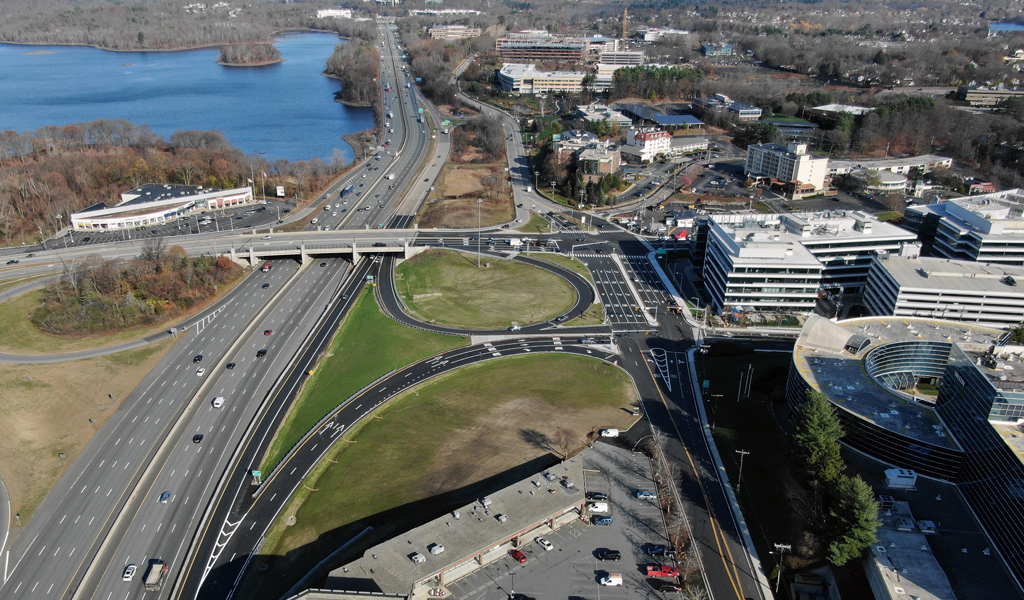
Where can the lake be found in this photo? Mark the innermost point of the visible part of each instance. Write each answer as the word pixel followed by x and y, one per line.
pixel 1001 27
pixel 285 110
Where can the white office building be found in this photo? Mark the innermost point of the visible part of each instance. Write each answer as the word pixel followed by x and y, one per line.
pixel 526 79
pixel 983 228
pixel 781 262
pixel 155 204
pixel 653 34
pixel 592 113
pixel 925 163
pixel 334 13
pixel 800 173
pixel 952 290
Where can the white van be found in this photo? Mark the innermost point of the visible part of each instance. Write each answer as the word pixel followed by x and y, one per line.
pixel 598 507
pixel 612 579
pixel 609 433
pixel 218 402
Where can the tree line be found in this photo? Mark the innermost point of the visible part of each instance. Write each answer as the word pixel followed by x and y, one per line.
pixel 95 296
pixel 357 65
pixel 655 83
pixel 59 170
pixel 485 133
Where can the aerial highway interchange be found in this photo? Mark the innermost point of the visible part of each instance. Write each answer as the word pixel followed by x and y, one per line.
pixel 169 475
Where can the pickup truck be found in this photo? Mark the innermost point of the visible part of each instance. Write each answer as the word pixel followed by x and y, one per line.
pixel 662 571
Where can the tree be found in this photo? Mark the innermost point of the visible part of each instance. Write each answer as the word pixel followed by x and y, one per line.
pixel 564 440
pixel 1017 334
pixel 815 440
pixel 853 519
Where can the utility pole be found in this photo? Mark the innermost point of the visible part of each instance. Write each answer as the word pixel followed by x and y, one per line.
pixel 739 480
pixel 782 549
pixel 479 229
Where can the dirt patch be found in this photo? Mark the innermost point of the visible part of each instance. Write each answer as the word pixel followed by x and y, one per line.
pixel 453 204
pixel 47 411
pixel 462 181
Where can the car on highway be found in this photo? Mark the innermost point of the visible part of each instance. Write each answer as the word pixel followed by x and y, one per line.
pixel 197 358
pixel 334 214
pixel 546 545
pixel 197 438
pixel 13 261
pixel 231 365
pixel 514 328
pixel 165 497
pixel 266 237
pixel 261 353
pixel 379 244
pixel 129 573
pixel 265 285
pixel 30 255
pixel 218 402
pixel 200 372
pixel 609 555
pixel 518 555
pixel 323 264
pixel 645 495
pixel 268 331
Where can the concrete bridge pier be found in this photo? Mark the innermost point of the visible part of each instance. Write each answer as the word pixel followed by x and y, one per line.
pixel 302 253
pixel 252 256
pixel 355 253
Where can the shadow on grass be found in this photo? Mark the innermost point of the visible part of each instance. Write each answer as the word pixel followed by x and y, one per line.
pixel 273 576
pixel 536 439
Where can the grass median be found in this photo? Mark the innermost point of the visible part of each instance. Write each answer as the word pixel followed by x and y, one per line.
pixel 442 444
pixel 446 287
pixel 367 346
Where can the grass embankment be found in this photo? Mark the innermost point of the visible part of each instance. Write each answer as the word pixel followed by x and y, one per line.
pixel 536 224
pixel 443 286
pixel 443 437
pixel 594 315
pixel 453 203
pixel 47 408
pixel 367 346
pixel 21 281
pixel 20 336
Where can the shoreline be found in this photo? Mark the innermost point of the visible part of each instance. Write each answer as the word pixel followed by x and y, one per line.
pixel 177 49
pixel 265 63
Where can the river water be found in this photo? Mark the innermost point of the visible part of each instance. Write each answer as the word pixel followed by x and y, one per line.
pixel 285 110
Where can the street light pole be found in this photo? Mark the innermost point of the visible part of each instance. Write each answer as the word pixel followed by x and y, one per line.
pixel 739 480
pixel 479 228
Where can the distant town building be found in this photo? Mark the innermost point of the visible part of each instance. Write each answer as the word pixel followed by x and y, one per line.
pixel 956 290
pixel 838 109
pixel 717 49
pixel 798 172
pixel 453 32
pixel 984 96
pixel 334 13
pixel 595 112
pixel 688 144
pixel 647 115
pixel 599 44
pixel 880 182
pixel 534 46
pixel 526 79
pixel 976 186
pixel 984 228
pixel 653 34
pixel 156 204
pixel 441 12
pixel 630 58
pixel 720 102
pixel 649 142
pixel 598 160
pixel 925 163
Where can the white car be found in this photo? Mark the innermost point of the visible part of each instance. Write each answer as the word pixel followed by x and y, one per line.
pixel 645 495
pixel 200 372
pixel 266 237
pixel 218 402
pixel 545 544
pixel 334 214
pixel 129 573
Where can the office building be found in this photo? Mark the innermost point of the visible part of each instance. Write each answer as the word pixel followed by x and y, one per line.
pixel 985 96
pixel 453 32
pixel 593 113
pixel 955 290
pixel 983 228
pixel 880 182
pixel 653 34
pixel 566 144
pixel 791 167
pixel 598 160
pixel 881 375
pixel 334 13
pixel 924 164
pixel 526 79
pixel 782 262
pixel 744 112
pixel 630 58
pixel 717 49
pixel 649 142
pixel 649 115
pixel 156 204
pixel 536 46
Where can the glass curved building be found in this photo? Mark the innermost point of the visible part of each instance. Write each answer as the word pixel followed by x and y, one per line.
pixel 931 396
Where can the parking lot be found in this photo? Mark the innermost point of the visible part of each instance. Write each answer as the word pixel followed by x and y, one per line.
pixel 572 568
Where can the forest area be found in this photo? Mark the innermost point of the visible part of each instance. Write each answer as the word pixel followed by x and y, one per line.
pixel 59 170
pixel 96 296
pixel 249 54
pixel 357 65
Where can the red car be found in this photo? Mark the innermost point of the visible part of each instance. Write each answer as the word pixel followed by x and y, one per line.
pixel 662 571
pixel 268 332
pixel 518 555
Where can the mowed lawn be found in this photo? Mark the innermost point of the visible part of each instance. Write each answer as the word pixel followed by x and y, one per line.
pixel 367 346
pixel 446 287
pixel 453 431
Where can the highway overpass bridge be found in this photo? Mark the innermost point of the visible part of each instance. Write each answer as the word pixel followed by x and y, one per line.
pixel 303 251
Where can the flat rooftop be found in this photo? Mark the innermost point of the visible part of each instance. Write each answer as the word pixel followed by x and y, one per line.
pixel 944 275
pixel 903 560
pixel 388 567
pixel 820 356
pixel 881 164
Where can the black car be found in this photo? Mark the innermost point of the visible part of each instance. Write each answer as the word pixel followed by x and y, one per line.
pixel 197 358
pixel 231 365
pixel 197 438
pixel 261 353
pixel 13 261
pixel 266 285
pixel 609 555
pixel 379 244
pixel 597 496
pixel 344 296
pixel 656 549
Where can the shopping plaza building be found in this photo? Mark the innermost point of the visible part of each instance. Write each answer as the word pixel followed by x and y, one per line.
pixel 155 204
pixel 941 398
